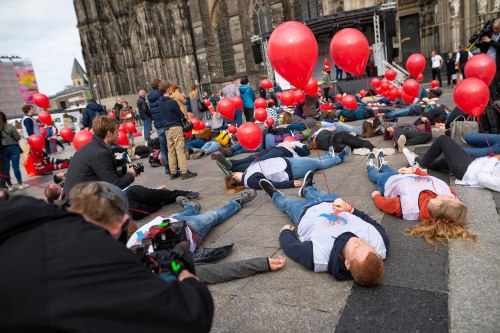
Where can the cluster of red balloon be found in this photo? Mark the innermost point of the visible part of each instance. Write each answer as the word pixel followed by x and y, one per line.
pixel 198 125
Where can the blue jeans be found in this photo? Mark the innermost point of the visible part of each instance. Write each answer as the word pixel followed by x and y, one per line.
pixel 12 153
pixel 301 165
pixel 163 146
pixel 478 139
pixel 147 128
pixel 423 93
pixel 269 140
pixel 239 149
pixel 202 223
pixel 198 143
pixel 209 147
pixel 342 127
pixel 295 208
pixel 238 118
pixel 381 177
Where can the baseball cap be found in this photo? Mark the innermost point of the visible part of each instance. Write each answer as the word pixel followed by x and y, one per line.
pixel 115 195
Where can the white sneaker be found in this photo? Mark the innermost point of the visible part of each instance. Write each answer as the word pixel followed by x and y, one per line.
pixel 410 156
pixel 401 143
pixel 22 186
pixel 389 151
pixel 11 188
pixel 361 151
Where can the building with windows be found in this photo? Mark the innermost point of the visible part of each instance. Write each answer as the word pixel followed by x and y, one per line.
pixel 126 44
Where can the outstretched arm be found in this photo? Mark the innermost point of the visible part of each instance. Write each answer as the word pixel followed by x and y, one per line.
pixel 301 252
pixel 387 205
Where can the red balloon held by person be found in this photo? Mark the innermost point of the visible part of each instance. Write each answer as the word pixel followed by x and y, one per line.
pixel 45 117
pixel 384 80
pixel 375 83
pixel 338 97
pixel 201 126
pixel 84 137
pixel 293 51
pixel 36 142
pixel 43 132
pixel 349 50
pixel 66 134
pixel 420 77
pixel 250 135
pixel 188 134
pixel 434 84
pixel 232 129
pixel 378 91
pixel 331 88
pixel 311 87
pixel 288 98
pixel 362 93
pixel 41 101
pixel 384 86
pixel 386 93
pixel 349 102
pixel 260 114
pixel 320 90
pixel 415 64
pixel 411 87
pixel 471 96
pixel 260 103
pixel 266 84
pixel 207 102
pixel 122 139
pixel 407 98
pixel 269 122
pixel 112 115
pixel 390 74
pixel 196 123
pixel 393 94
pixel 238 102
pixel 122 128
pixel 226 108
pixel 299 96
pixel 130 127
pixel 482 67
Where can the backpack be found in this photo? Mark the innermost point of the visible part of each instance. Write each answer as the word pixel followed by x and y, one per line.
pixel 223 138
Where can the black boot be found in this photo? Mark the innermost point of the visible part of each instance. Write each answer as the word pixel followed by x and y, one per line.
pixel 246 196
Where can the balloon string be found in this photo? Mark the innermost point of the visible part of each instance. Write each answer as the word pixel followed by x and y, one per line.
pixel 485 138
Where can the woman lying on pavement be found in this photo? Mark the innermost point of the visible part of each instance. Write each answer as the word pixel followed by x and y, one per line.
pixel 414 195
pixel 482 172
pixel 282 172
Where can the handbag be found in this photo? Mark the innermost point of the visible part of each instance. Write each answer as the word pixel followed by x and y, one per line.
pixel 459 128
pixel 187 126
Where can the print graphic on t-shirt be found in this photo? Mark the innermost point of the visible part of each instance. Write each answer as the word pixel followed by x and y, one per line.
pixel 420 179
pixel 334 218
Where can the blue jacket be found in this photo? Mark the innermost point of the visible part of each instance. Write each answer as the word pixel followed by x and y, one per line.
pixel 247 95
pixel 154 97
pixel 170 112
pixel 92 110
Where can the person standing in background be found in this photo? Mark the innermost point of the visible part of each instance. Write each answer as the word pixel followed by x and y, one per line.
pixel 491 47
pixel 9 140
pixel 437 62
pixel 144 113
pixel 450 67
pixel 248 97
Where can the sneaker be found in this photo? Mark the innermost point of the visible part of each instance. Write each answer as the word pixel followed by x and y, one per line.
pixel 199 154
pixel 223 161
pixel 226 171
pixel 246 197
pixel 344 153
pixel 226 152
pixel 388 151
pixel 361 151
pixel 267 186
pixel 11 188
pixel 188 175
pixel 379 156
pixel 353 133
pixel 401 143
pixel 410 156
pixel 192 195
pixel 308 181
pixel 331 151
pixel 22 186
pixel 372 161
pixel 183 202
pixel 174 176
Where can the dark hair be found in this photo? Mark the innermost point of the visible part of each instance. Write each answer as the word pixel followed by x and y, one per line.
pixel 368 129
pixel 3 121
pixel 154 84
pixel 58 179
pixel 164 86
pixel 27 108
pixel 92 101
pixel 103 124
pixel 244 80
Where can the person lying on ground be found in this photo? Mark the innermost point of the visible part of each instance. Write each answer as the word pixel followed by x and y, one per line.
pixel 282 172
pixel 44 164
pixel 333 236
pixel 481 172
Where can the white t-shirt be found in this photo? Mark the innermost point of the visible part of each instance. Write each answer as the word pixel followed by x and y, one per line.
pixel 482 172
pixel 436 61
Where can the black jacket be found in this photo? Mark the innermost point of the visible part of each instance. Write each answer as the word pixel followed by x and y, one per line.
pixel 63 274
pixel 496 45
pixel 94 162
pixel 170 112
pixel 154 105
pixel 143 108
pixel 92 110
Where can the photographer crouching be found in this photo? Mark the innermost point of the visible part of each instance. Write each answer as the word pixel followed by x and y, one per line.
pixel 63 269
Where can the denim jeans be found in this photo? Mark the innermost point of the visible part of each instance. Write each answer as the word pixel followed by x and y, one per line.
pixel 270 142
pixel 163 146
pixel 238 118
pixel 209 147
pixel 12 153
pixel 147 128
pixel 479 139
pixel 301 165
pixel 295 208
pixel 403 112
pixel 343 127
pixel 381 177
pixel 202 223
pixel 198 143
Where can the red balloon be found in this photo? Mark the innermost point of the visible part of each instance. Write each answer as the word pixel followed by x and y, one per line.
pixel 266 84
pixel 362 93
pixel 238 102
pixel 196 123
pixel 188 134
pixel 349 50
pixel 112 115
pixel 41 100
pixel 415 64
pixel 269 122
pixel 378 91
pixel 67 134
pixel 288 98
pixel 482 67
pixel 471 96
pixel 232 129
pixel 411 87
pixel 420 77
pixel 43 132
pixel 122 139
pixel 319 90
pixel 390 74
pixel 207 102
pixel 279 95
pixel 36 142
pixel 45 117
pixel 338 97
pixel 393 94
pixel 84 137
pixel 260 114
pixel 375 82
pixel 260 103
pixel 386 93
pixel 201 126
pixel 407 98
pixel 250 135
pixel 384 80
pixel 349 102
pixel 311 87
pixel 331 88
pixel 122 128
pixel 384 86
pixel 434 84
pixel 130 127
pixel 226 108
pixel 293 52
pixel 299 96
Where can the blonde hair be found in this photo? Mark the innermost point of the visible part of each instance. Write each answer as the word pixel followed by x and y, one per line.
pixel 369 272
pixel 449 210
pixel 194 91
pixel 287 118
pixel 233 185
pixel 441 230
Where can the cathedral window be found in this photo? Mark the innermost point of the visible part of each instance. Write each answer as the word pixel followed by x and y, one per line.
pixel 305 9
pixel 226 50
pixel 262 18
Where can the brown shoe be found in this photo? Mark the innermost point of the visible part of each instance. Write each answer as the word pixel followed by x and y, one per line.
pixel 199 154
pixel 226 152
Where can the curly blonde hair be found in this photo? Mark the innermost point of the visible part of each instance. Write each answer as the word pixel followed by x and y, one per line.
pixel 233 185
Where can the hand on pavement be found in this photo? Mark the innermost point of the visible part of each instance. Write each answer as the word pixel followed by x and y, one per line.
pixel 374 193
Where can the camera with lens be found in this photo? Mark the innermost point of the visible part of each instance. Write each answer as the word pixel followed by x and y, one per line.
pixel 138 168
pixel 486 30
pixel 165 250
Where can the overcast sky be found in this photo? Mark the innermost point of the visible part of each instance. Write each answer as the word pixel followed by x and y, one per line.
pixel 45 32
